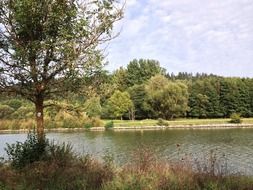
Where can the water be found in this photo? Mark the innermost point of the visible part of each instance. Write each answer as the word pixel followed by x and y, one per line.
pixel 235 144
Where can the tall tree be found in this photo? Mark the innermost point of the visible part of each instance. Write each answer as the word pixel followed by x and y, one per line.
pixel 138 95
pixel 168 99
pixel 139 71
pixel 120 103
pixel 119 79
pixel 45 44
pixel 92 107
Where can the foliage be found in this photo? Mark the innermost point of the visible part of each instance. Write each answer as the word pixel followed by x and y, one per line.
pixel 14 103
pixel 139 71
pixel 64 119
pixel 168 99
pixel 23 112
pixel 48 46
pixel 119 79
pixel 109 125
pixel 119 103
pixel 209 96
pixel 92 107
pixel 162 122
pixel 5 111
pixel 59 168
pixel 62 169
pixel 235 118
pixel 22 154
pixel 139 97
pixel 93 122
pixel 88 125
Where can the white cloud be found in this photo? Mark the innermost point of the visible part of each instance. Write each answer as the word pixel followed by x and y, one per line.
pixel 188 35
pixel 130 3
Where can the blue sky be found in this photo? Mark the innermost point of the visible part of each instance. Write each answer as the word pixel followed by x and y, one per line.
pixel 211 36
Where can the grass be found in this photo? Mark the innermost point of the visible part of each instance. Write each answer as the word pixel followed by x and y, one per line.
pixel 144 171
pixel 30 123
pixel 119 123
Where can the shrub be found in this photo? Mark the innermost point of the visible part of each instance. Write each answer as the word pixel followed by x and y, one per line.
pixel 235 118
pixel 65 119
pixel 22 154
pixel 93 122
pixel 88 125
pixel 5 111
pixel 33 150
pixel 109 125
pixel 162 122
pixel 96 122
pixel 23 113
pixel 14 103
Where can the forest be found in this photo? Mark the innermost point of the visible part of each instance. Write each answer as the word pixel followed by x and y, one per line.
pixel 141 90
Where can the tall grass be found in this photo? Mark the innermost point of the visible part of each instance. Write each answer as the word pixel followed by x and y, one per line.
pixel 62 120
pixel 144 171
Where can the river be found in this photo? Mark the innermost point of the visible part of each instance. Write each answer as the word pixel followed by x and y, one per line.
pixel 233 145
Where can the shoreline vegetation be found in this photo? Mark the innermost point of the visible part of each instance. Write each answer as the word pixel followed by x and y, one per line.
pixel 127 125
pixel 57 167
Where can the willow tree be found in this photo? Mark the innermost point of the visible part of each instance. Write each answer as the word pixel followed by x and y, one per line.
pixel 46 44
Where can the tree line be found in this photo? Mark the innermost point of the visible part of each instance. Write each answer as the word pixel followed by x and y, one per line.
pixel 145 90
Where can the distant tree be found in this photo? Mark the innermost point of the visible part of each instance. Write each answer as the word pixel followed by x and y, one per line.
pixel 5 111
pixel 249 83
pixel 92 107
pixel 45 46
pixel 138 96
pixel 119 103
pixel 139 71
pixel 198 106
pixel 204 98
pixel 168 99
pixel 229 96
pixel 119 79
pixel 14 103
pixel 243 98
pixel 94 82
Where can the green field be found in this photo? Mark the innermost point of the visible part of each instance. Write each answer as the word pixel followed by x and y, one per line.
pixel 30 123
pixel 149 122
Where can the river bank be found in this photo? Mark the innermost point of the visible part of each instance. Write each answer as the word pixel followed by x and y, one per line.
pixel 59 168
pixel 138 128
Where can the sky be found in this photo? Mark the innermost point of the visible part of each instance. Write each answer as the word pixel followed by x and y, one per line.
pixel 210 36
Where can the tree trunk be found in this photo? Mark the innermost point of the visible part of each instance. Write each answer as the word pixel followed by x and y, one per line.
pixel 40 118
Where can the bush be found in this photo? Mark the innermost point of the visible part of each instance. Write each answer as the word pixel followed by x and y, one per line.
pixel 96 122
pixel 235 118
pixel 88 125
pixel 14 103
pixel 109 125
pixel 57 169
pixel 33 150
pixel 5 111
pixel 64 119
pixel 23 113
pixel 93 122
pixel 162 122
pixel 22 154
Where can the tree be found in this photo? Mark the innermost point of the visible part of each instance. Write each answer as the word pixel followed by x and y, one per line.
pixel 5 111
pixel 46 45
pixel 139 71
pixel 138 96
pixel 119 79
pixel 168 99
pixel 199 105
pixel 204 98
pixel 120 103
pixel 93 107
